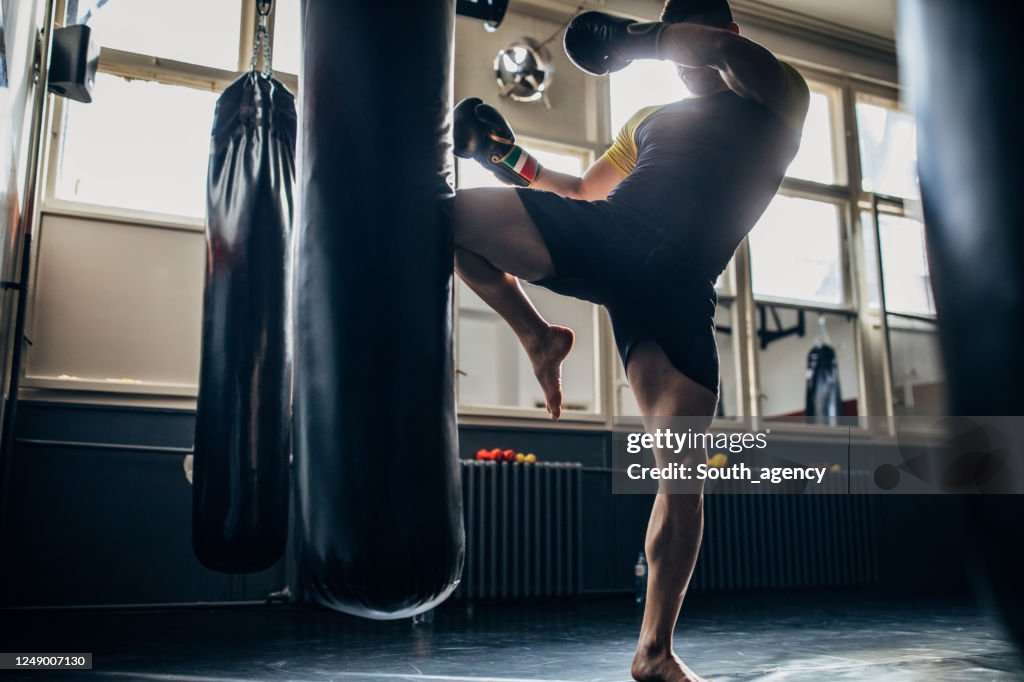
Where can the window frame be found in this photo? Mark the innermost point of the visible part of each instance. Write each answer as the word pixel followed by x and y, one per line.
pixel 147 67
pixel 846 303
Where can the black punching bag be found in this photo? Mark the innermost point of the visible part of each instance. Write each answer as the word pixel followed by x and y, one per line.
pixel 961 63
pixel 242 441
pixel 824 403
pixel 375 442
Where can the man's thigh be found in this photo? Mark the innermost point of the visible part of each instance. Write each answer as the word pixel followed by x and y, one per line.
pixel 663 392
pixel 494 224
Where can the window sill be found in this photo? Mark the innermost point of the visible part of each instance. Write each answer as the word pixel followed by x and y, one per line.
pixel 115 214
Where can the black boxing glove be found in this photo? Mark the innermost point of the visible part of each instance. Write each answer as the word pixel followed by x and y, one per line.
pixel 600 43
pixel 482 133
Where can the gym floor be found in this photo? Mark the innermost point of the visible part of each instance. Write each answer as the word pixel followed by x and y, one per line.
pixel 785 637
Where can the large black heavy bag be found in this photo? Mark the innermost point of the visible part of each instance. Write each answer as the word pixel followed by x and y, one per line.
pixel 376 469
pixel 961 62
pixel 243 425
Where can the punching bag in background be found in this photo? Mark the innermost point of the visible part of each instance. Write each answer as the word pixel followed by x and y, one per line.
pixel 824 399
pixel 243 425
pixel 824 403
pixel 375 441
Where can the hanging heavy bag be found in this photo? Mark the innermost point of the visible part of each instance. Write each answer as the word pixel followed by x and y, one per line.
pixel 376 462
pixel 824 400
pixel 243 425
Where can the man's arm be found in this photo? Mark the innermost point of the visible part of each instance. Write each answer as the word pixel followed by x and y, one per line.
pixel 601 43
pixel 748 69
pixel 600 179
pixel 480 132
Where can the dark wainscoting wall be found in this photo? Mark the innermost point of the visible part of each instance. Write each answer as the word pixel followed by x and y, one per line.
pixel 100 513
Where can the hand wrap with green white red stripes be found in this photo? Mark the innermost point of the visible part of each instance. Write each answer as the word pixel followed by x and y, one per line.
pixel 518 166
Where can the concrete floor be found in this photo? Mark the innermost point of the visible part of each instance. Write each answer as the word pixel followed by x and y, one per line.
pixel 793 638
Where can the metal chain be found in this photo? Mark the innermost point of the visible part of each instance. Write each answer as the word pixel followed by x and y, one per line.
pixel 262 37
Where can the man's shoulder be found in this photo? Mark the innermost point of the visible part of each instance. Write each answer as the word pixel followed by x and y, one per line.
pixel 641 114
pixel 792 106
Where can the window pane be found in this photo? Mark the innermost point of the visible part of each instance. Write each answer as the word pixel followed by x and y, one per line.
pixel 472 174
pixel 816 159
pixel 494 369
pixel 195 31
pixel 782 365
pixel 888 149
pixel 642 84
pixel 556 161
pixel 286 36
pixel 918 380
pixel 795 253
pixel 139 145
pixel 904 264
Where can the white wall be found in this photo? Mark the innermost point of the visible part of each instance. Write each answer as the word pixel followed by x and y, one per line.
pixel 116 307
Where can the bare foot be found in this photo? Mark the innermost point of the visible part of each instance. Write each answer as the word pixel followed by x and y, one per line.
pixel 664 667
pixel 547 355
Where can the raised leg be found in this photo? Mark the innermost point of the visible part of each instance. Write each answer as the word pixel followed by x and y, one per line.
pixel 496 244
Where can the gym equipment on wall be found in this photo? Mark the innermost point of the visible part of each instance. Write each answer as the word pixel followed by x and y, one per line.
pixel 377 478
pixel 523 70
pixel 243 425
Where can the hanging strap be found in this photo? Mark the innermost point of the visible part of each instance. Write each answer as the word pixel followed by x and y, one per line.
pixel 263 8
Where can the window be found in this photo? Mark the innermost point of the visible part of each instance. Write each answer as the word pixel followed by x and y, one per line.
pixel 888 148
pixel 643 83
pixel 140 145
pixel 193 31
pixel 795 252
pixel 918 382
pixel 494 371
pixel 904 264
pixel 816 159
pixel 287 43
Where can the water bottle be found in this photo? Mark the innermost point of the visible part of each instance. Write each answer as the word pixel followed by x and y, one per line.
pixel 423 619
pixel 640 570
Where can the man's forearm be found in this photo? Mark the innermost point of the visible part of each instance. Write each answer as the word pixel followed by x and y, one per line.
pixel 560 183
pixel 747 68
pixel 693 45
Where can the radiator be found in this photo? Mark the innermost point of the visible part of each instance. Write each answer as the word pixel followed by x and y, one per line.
pixel 523 530
pixel 787 541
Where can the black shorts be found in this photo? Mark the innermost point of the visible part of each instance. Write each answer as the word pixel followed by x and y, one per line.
pixel 611 255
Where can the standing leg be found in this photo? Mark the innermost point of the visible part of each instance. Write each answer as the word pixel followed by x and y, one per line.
pixel 496 242
pixel 677 519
